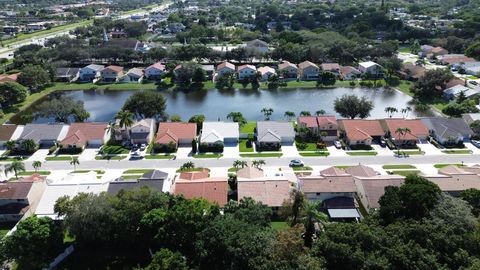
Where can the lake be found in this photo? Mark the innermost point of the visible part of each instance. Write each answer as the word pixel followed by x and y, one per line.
pixel 214 104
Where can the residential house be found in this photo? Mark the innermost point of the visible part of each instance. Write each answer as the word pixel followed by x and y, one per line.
pixel 155 180
pixel 155 71
pixel 246 72
pixel 454 82
pixel 90 72
pixel 257 46
pixel 370 68
pixel 436 51
pixel 9 132
pixel 430 51
pixel 142 131
pixel 453 59
pixel 417 131
pixel 307 71
pixel 199 185
pixel 67 74
pixel 361 171
pixel 111 73
pixel 225 68
pixel 19 199
pixel 181 134
pixel 117 34
pixel 81 135
pixel 349 73
pixel 220 132
pixel 274 134
pixel 45 135
pixel 471 68
pixel 470 117
pixel 271 190
pixel 324 124
pixel 266 72
pixel 9 77
pixel 453 180
pixel 425 50
pixel 452 92
pixel 287 70
pixel 371 189
pixel 412 72
pixel 209 70
pixel 448 130
pixel 133 75
pixel 360 131
pixel 331 67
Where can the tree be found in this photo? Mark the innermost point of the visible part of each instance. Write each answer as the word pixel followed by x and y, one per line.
pixel 472 196
pixel 432 83
pixel 125 120
pixel 289 115
pixel 164 259
pixel 34 77
pixel 12 93
pixel 239 163
pixel 405 111
pixel 10 145
pixel 62 109
pixel 29 146
pixel 475 126
pixel 187 166
pixel 15 167
pixel 326 78
pixel 390 111
pixel 198 75
pixel 312 216
pixel 351 106
pixel 36 165
pixel 35 242
pixel 292 208
pixel 258 163
pixel 473 50
pixel 74 162
pixel 415 47
pixel 175 118
pixel 198 119
pixel 112 129
pixel 237 117
pixel 320 112
pixel 401 133
pixel 147 104
pixel 305 113
pixel 267 113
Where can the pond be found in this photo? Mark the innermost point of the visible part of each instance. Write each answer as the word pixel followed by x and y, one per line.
pixel 216 104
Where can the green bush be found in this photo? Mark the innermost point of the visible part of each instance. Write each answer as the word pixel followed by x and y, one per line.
pixel 216 148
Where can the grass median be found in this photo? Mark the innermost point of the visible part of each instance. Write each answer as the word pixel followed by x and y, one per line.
pixel 362 153
pixel 262 155
pixel 314 154
pixel 399 166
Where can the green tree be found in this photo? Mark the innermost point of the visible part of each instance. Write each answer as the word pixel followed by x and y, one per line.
pixel 239 163
pixel 36 165
pixel 175 118
pixel 187 166
pixel 415 47
pixel 237 117
pixel 305 113
pixel 12 93
pixel 472 196
pixel 34 77
pixel 267 113
pixel 198 119
pixel 390 111
pixel 147 104
pixel 125 119
pixel 289 115
pixel 292 208
pixel 258 163
pixel 10 145
pixel 351 106
pixel 164 259
pixel 432 83
pixel 29 146
pixel 312 215
pixel 320 112
pixel 326 78
pixel 62 109
pixel 198 75
pixel 74 162
pixel 473 50
pixel 15 167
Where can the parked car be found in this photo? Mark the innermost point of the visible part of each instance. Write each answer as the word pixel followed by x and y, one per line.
pixel 383 143
pixel 473 82
pixel 142 147
pixel 296 163
pixel 475 143
pixel 337 144
pixel 136 155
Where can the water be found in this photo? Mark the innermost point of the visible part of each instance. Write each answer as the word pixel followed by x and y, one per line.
pixel 214 104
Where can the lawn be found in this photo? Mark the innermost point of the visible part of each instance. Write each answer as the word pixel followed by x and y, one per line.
pixel 278 225
pixel 243 146
pixel 405 87
pixel 262 155
pixel 5 227
pixel 207 155
pixel 114 150
pixel 362 153
pixel 192 170
pixel 439 166
pixel 399 166
pixel 248 127
pixel 110 157
pixel 233 169
pixel 137 171
pixel 131 177
pixel 457 152
pixel 59 158
pixel 343 166
pixel 86 171
pixel 410 152
pixel 315 154
pixel 306 146
pixel 306 168
pixel 405 172
pixel 34 172
pixel 159 156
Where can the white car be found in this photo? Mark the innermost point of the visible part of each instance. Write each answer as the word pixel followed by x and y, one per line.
pixel 337 144
pixel 142 147
pixel 296 163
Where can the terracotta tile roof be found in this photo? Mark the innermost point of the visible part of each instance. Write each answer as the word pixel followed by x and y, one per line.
pixel 373 189
pixel 362 171
pixel 250 172
pixel 272 192
pixel 454 82
pixel 317 121
pixel 349 69
pixel 246 66
pixel 327 120
pixel 226 64
pixel 6 132
pixel 327 184
pixel 117 69
pixel 306 64
pixel 416 126
pixel 438 50
pixel 456 182
pixel 330 66
pixel 455 60
pixel 357 129
pixel 452 170
pixel 174 131
pixel 333 171
pixel 214 190
pixel 157 65
pixel 9 77
pixel 80 133
pixel 194 175
pixel 308 121
pixel 286 64
pixel 15 190
pixel 32 178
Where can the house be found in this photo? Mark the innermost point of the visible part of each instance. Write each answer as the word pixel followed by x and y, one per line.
pixel 360 131
pixel 117 34
pixel 452 59
pixel 412 72
pixel 471 68
pixel 111 73
pixel 155 180
pixel 9 77
pixel 418 130
pixel 331 67
pixel 220 132
pixel 361 171
pixel 19 199
pixel 181 134
pixel 287 70
pixel 470 117
pixel 45 135
pixel 142 131
pixel 257 46
pixel 271 190
pixel 452 92
pixel 155 71
pixel 246 72
pixel 448 130
pixel 349 73
pixel 453 180
pixel 436 51
pixel 66 74
pixel 209 70
pixel 370 68
pixel 425 50
pixel 133 75
pixel 81 135
pixel 454 82
pixel 273 133
pixel 371 189
pixel 266 72
pixel 325 124
pixel 90 72
pixel 9 132
pixel 307 71
pixel 225 68
pixel 213 189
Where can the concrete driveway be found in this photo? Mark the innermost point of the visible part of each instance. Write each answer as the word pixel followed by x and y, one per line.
pixel 382 151
pixel 334 152
pixel 39 155
pixel 290 150
pixel 88 154
pixel 429 149
pixel 231 151
pixel 184 152
pixel 472 147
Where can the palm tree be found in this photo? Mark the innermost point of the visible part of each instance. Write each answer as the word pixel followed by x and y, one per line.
pixel 28 145
pixel 312 216
pixel 320 112
pixel 258 163
pixel 74 162
pixel 36 164
pixel 126 119
pixel 187 166
pixel 239 163
pixel 305 113
pixel 267 113
pixel 10 145
pixel 402 132
pixel 16 167
pixel 297 203
pixel 390 111
pixel 289 115
pixel 111 129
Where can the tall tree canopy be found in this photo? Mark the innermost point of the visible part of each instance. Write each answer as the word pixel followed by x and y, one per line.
pixel 147 104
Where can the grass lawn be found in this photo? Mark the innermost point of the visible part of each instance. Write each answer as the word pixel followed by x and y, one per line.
pixel 207 155
pixel 315 154
pixel 404 50
pixel 248 127
pixel 136 171
pixel 399 166
pixel 159 156
pixel 131 176
pixel 461 151
pixel 343 166
pixel 114 150
pixel 405 172
pixel 192 170
pixel 306 146
pixel 233 169
pixel 405 87
pixel 306 168
pixel 34 172
pixel 410 152
pixel 362 153
pixel 278 225
pixel 86 171
pixel 5 227
pixel 243 146
pixel 58 158
pixel 262 155
pixel 110 157
pixel 440 165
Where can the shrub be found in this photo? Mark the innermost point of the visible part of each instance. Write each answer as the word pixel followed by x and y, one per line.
pixel 165 148
pixel 216 148
pixel 321 145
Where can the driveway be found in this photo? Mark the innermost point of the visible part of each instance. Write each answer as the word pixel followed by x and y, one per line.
pixel 231 151
pixel 334 152
pixel 472 147
pixel 290 150
pixel 88 154
pixel 382 151
pixel 429 149
pixel 39 155
pixel 184 152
